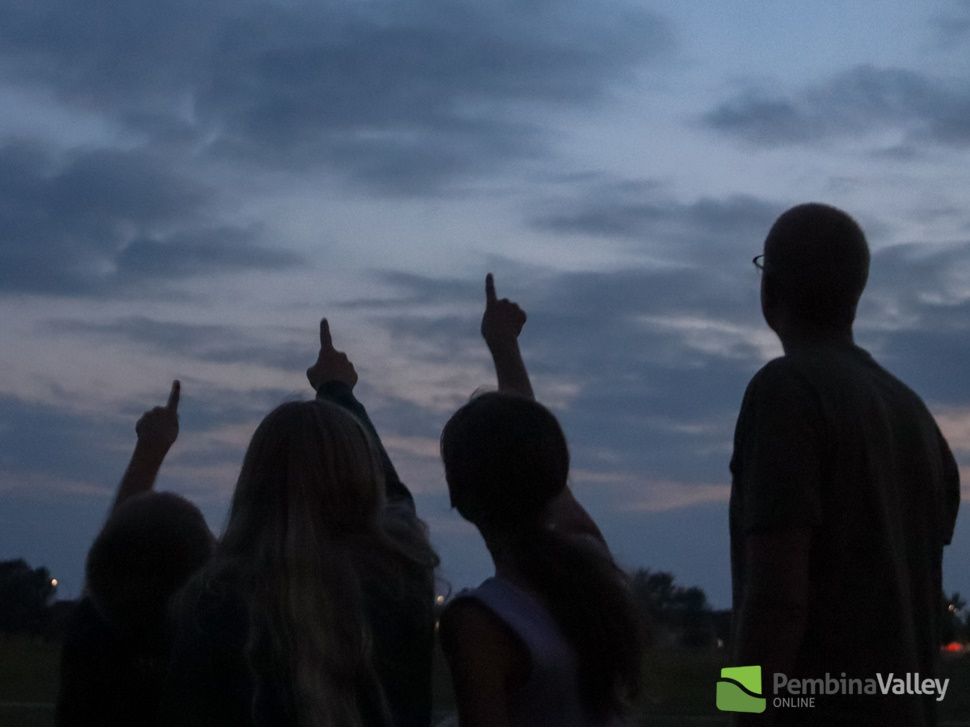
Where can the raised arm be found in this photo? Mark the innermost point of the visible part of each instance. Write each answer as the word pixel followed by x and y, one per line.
pixel 333 377
pixel 502 323
pixel 157 430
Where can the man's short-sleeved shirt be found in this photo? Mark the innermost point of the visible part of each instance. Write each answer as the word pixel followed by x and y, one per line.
pixel 828 439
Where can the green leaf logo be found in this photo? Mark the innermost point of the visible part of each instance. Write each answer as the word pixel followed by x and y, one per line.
pixel 739 690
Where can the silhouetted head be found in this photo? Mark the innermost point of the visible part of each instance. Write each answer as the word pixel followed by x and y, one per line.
pixel 147 550
pixel 815 267
pixel 505 458
pixel 310 474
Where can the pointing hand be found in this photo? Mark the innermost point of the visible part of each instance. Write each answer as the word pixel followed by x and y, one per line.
pixel 503 319
pixel 158 428
pixel 331 365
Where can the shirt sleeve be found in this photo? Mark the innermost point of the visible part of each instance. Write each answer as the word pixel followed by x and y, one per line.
pixel 777 465
pixel 398 495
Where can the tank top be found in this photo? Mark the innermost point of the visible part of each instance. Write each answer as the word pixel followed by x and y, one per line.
pixel 550 695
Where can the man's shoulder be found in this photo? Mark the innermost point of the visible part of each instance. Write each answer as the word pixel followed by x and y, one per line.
pixel 784 374
pixel 828 371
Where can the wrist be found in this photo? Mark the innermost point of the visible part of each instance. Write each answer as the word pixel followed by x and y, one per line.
pixel 334 385
pixel 149 452
pixel 502 346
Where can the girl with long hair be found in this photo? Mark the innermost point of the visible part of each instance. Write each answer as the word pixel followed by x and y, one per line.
pixel 317 608
pixel 553 637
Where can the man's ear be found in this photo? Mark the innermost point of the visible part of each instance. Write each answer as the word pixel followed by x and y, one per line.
pixel 770 298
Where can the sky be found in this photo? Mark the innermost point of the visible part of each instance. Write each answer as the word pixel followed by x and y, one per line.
pixel 186 188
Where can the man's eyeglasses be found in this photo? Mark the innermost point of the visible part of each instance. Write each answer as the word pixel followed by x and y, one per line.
pixel 759 262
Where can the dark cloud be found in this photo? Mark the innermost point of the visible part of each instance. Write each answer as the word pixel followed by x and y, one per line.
pixel 200 253
pixel 100 221
pixel 414 289
pixel 916 316
pixel 402 97
pixel 58 441
pixel 643 214
pixel 861 100
pixel 201 342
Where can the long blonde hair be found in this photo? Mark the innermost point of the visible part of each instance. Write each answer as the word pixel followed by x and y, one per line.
pixel 309 499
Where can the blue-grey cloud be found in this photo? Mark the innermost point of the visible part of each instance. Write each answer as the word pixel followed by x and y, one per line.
pixel 951 25
pixel 100 221
pixel 57 441
pixel 400 97
pixel 861 100
pixel 202 342
pixel 644 215
pixel 916 312
pixel 649 396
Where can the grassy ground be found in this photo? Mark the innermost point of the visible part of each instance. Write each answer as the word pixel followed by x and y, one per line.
pixel 678 686
pixel 28 680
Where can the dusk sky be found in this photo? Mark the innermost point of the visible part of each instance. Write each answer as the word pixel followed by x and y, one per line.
pixel 186 188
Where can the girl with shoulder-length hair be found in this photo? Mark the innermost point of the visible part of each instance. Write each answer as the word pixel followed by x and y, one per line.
pixel 317 608
pixel 553 638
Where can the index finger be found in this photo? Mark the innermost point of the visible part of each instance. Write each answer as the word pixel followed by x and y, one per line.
pixel 173 396
pixel 489 289
pixel 326 342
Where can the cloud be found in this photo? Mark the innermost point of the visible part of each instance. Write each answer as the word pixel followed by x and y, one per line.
pixel 100 221
pixel 57 442
pixel 637 494
pixel 400 97
pixel 639 388
pixel 863 100
pixel 251 346
pixel 644 216
pixel 197 253
pixel 952 25
pixel 915 315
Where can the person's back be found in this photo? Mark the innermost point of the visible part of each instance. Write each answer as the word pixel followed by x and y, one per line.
pixel 108 677
pixel 881 508
pixel 844 493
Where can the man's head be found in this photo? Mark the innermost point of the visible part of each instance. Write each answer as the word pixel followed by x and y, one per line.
pixel 816 262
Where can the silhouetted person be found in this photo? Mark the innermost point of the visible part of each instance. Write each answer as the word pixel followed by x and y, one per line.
pixel 844 492
pixel 553 637
pixel 115 654
pixel 317 608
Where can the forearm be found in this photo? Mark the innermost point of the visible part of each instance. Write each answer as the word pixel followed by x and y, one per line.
pixel 770 633
pixel 510 369
pixel 341 394
pixel 566 514
pixel 140 475
pixel 775 602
